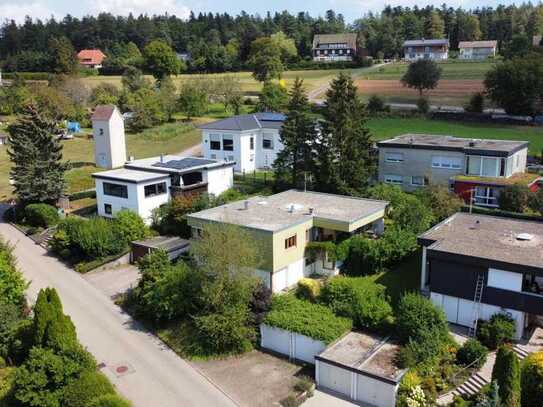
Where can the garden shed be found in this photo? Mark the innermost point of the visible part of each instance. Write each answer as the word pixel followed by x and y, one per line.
pixel 172 245
pixel 360 367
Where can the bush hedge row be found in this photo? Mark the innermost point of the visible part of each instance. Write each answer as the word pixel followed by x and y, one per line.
pixel 312 320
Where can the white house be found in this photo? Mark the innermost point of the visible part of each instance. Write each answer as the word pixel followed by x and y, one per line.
pixel 477 49
pixel 437 50
pixel 251 140
pixel 109 139
pixel 146 184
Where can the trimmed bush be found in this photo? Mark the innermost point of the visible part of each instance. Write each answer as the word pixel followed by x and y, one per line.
pixel 423 105
pixel 41 215
pixel 312 320
pixel 109 400
pixel 87 387
pixel 476 103
pixel 308 289
pixel 506 373
pixel 499 329
pixel 130 225
pixel 12 282
pixel 376 105
pixel 514 198
pixel 417 315
pixel 470 352
pixel 359 299
pixel 532 380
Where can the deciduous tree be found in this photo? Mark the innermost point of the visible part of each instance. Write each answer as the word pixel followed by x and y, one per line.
pixel 422 75
pixel 161 60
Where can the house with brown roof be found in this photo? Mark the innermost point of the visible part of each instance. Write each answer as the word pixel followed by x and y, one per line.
pixel 91 58
pixel 334 47
pixel 475 266
pixel 477 49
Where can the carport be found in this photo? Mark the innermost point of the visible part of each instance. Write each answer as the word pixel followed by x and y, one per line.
pixel 172 245
pixel 360 367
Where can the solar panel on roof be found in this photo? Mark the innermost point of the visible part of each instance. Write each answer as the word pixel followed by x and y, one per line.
pixel 184 163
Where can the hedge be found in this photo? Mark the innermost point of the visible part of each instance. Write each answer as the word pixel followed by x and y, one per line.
pixel 312 320
pixel 41 215
pixel 532 380
pixel 89 386
pixel 89 193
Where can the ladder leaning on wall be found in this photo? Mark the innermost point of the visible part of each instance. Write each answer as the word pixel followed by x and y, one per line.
pixel 478 296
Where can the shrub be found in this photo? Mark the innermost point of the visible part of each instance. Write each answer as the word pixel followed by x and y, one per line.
pixel 7 377
pixel 506 373
pixel 423 105
pixel 532 380
pixel 440 200
pixel 472 351
pixel 376 105
pixel 10 315
pixel 41 215
pixel 260 303
pixel 360 299
pixel 130 225
pixel 12 282
pixel 499 329
pixel 304 384
pixel 313 320
pixel 87 387
pixel 109 400
pixel 536 201
pixel 514 198
pixel 308 289
pixel 476 103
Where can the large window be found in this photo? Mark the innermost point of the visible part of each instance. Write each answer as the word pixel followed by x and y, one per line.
pixel 215 141
pixel 394 157
pixel 227 143
pixel 267 142
pixel 485 166
pixel 486 196
pixel 450 163
pixel 155 189
pixel 118 190
pixel 419 181
pixel 394 179
pixel 290 242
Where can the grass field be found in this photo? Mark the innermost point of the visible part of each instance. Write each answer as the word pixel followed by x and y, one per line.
pixel 457 70
pixel 176 137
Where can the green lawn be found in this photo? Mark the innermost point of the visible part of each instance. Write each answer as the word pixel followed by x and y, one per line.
pixel 450 70
pixel 383 128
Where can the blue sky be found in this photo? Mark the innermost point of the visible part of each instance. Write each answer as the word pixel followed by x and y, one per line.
pixel 352 9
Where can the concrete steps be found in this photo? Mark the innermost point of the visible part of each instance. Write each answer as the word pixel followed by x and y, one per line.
pixel 471 386
pixel 520 352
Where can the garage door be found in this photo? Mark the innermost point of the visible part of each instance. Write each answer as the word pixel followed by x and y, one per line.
pixel 450 306
pixel 334 378
pixel 280 280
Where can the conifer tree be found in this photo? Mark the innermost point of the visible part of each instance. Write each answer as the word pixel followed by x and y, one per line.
pixel 36 154
pixel 345 162
pixel 506 373
pixel 298 135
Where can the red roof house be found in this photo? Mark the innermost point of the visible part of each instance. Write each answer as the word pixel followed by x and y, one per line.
pixel 91 58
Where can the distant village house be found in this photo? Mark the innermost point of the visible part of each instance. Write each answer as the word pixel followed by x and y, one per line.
pixel 426 49
pixel 334 47
pixel 477 49
pixel 91 58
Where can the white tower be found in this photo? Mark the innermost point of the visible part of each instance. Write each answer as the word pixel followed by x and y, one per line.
pixel 109 139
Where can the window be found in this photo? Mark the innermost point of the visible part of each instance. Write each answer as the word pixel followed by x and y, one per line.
pixel 155 189
pixel 252 143
pixel 120 191
pixel 394 157
pixel 419 181
pixel 502 167
pixel 473 166
pixel 227 143
pixel 486 196
pixel 489 166
pixel 107 209
pixel 267 142
pixel 454 163
pixel 215 141
pixel 484 166
pixel 290 242
pixel 394 179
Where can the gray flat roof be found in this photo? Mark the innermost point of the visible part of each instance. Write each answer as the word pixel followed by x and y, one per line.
pixel 279 211
pixel 452 143
pixel 411 43
pixel 245 122
pixel 129 175
pixel 365 353
pixel 167 243
pixel 488 237
pixel 175 164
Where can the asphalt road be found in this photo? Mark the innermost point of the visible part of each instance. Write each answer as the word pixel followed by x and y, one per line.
pixel 156 376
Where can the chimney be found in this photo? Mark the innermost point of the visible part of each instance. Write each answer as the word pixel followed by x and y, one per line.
pixel 311 211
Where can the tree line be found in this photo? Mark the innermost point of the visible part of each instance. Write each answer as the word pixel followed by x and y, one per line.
pixel 222 42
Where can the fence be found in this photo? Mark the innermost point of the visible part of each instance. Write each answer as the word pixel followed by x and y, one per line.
pixel 291 344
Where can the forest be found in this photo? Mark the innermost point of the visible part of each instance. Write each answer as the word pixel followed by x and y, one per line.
pixel 222 42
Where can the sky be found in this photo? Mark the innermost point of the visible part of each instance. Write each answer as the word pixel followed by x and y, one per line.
pixel 351 9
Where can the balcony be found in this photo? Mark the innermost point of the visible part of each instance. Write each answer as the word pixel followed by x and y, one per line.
pixel 188 190
pixel 525 301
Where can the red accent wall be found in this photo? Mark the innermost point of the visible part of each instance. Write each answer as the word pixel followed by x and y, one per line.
pixel 462 189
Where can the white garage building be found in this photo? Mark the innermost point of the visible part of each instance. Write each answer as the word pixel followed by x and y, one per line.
pixel 361 368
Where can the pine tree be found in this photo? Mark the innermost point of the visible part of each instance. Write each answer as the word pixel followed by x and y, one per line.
pixel 506 373
pixel 36 155
pixel 346 164
pixel 298 135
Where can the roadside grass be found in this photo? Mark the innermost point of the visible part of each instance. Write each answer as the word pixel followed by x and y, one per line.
pixel 455 69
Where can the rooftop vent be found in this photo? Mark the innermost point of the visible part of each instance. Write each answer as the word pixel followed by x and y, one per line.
pixel 294 207
pixel 245 205
pixel 472 143
pixel 311 210
pixel 476 225
pixel 524 237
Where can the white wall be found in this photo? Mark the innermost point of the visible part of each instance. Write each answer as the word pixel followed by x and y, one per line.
pixel 291 344
pixel 505 280
pixel 355 386
pixel 116 203
pixel 219 179
pixel 288 276
pixel 109 142
pixel 147 204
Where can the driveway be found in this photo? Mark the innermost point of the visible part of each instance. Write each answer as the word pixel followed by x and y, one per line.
pixel 150 374
pixel 115 281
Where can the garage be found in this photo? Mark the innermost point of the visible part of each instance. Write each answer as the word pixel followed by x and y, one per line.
pixel 360 367
pixel 173 245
